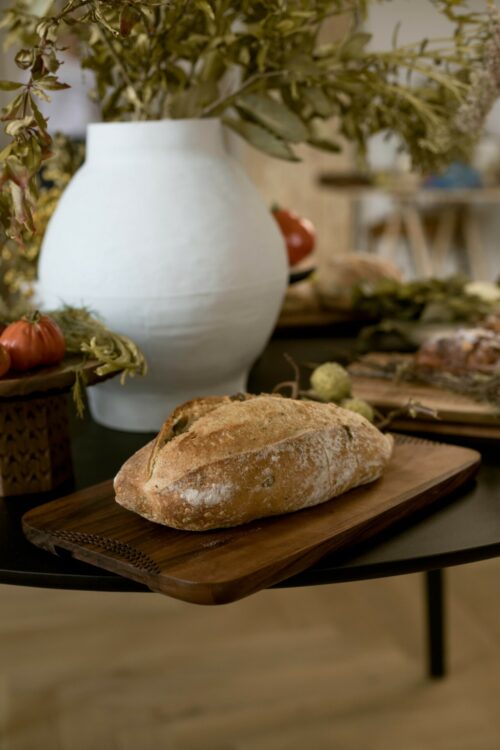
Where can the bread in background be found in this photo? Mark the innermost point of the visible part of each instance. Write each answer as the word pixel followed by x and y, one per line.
pixel 339 275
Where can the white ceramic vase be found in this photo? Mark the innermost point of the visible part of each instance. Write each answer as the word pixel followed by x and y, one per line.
pixel 162 234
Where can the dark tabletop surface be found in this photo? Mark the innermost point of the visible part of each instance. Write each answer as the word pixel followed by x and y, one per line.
pixel 464 527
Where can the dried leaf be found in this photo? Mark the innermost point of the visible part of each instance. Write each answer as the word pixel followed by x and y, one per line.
pixel 355 44
pixel 50 83
pixel 273 115
pixel 15 127
pixel 157 58
pixel 262 139
pixel 12 109
pixel 205 7
pixel 10 85
pixel 128 19
pixel 303 66
pixel 321 137
pixel 192 101
pixel 319 101
pixel 24 58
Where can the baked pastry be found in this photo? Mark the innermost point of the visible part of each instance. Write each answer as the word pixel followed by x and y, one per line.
pixel 466 350
pixel 338 276
pixel 224 461
pixel 492 322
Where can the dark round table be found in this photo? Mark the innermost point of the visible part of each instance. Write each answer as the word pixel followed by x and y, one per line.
pixel 463 528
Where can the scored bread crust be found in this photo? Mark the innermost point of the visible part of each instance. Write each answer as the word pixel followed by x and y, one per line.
pixel 224 461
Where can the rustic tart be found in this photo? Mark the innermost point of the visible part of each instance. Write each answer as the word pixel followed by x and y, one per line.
pixel 465 350
pixel 224 461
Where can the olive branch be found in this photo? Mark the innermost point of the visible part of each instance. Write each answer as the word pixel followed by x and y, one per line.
pixel 259 65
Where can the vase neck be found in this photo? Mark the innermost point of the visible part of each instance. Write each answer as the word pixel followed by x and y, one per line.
pixel 141 140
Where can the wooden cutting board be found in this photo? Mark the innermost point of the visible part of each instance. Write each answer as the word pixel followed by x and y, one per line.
pixel 223 566
pixel 458 414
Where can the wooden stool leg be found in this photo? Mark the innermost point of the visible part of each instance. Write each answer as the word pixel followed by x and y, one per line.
pixel 392 234
pixel 417 241
pixel 435 617
pixel 444 237
pixel 475 253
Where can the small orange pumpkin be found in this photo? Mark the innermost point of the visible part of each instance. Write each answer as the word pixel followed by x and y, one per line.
pixel 33 341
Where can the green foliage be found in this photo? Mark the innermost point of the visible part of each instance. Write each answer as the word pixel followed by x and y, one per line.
pixel 257 64
pixel 422 301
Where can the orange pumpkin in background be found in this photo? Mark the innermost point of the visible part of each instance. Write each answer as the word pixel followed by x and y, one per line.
pixel 299 234
pixel 34 341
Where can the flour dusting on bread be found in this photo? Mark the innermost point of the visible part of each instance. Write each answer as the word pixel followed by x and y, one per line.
pixel 212 495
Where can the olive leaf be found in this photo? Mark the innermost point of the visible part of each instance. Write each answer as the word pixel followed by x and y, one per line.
pixel 319 101
pixel 50 83
pixel 41 121
pixel 261 139
pixel 354 45
pixel 261 65
pixel 274 116
pixel 324 143
pixel 320 136
pixel 10 85
pixel 191 101
pixel 303 66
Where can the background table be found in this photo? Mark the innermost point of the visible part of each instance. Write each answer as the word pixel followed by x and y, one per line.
pixel 465 528
pixel 455 212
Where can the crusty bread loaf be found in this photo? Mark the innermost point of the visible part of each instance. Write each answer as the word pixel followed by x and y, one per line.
pixel 339 274
pixel 223 461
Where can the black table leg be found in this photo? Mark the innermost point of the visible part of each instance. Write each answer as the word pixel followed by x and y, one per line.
pixel 434 589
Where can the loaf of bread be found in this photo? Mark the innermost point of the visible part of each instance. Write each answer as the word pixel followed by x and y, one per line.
pixel 492 323
pixel 224 461
pixel 338 275
pixel 465 350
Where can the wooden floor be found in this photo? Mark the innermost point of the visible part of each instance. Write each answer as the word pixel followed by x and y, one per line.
pixel 327 668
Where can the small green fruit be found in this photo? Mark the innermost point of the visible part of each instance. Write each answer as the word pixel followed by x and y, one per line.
pixel 331 382
pixel 360 407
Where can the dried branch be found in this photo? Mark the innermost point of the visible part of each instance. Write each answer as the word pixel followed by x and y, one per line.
pixel 478 386
pixel 412 409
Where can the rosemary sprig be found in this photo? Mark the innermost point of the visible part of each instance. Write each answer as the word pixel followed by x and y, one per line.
pixel 85 334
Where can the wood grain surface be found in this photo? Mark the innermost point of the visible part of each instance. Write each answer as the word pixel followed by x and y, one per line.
pixel 439 427
pixel 456 414
pixel 226 565
pixel 55 379
pixel 451 407
pixel 313 668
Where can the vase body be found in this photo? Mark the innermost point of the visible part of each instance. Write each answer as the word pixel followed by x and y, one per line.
pixel 162 234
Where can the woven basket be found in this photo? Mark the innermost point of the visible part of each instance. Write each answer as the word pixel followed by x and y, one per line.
pixel 35 448
pixel 35 454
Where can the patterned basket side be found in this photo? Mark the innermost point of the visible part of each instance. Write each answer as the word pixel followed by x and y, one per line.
pixel 35 453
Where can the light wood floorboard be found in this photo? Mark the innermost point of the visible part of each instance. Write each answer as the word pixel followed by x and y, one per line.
pixel 333 667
